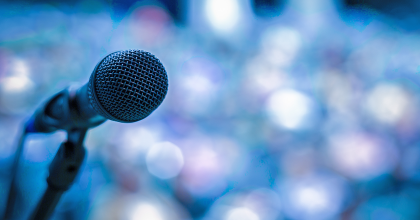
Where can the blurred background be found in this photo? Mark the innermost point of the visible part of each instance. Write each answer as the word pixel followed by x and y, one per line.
pixel 276 109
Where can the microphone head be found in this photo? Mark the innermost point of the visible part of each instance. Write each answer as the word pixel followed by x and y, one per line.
pixel 127 86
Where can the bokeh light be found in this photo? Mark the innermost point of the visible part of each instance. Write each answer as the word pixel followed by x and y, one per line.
pixel 164 160
pixel 280 45
pixel 136 142
pixel 388 103
pixel 146 211
pixel 361 156
pixel 223 15
pixel 262 203
pixel 290 109
pixel 313 197
pixel 241 213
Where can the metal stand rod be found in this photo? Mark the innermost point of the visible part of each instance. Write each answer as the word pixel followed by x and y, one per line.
pixel 62 172
pixel 11 199
pixel 47 203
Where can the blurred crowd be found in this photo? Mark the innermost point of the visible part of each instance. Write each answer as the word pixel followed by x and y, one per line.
pixel 297 110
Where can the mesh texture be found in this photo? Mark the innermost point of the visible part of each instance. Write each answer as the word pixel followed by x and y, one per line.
pixel 128 85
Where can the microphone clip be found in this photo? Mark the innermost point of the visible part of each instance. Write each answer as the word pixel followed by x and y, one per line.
pixel 62 111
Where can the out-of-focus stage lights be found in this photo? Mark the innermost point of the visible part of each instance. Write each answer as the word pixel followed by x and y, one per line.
pixel 269 69
pixel 290 109
pixel 257 204
pixel 223 15
pixel 389 103
pixel 360 155
pixel 146 211
pixel 148 205
pixel 16 87
pixel 280 45
pixel 210 164
pixel 339 93
pixel 130 143
pixel 204 173
pixel 200 77
pixel 312 197
pixel 164 160
pixel 241 213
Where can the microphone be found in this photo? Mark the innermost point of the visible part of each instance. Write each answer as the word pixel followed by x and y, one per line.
pixel 125 86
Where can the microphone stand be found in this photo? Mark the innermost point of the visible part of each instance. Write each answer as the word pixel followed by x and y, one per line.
pixel 13 191
pixel 62 172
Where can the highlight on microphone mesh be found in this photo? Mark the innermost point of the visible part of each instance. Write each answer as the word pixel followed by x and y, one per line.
pixel 127 86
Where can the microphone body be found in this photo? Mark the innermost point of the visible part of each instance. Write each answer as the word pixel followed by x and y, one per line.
pixel 125 86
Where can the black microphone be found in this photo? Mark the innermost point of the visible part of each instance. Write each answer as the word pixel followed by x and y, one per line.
pixel 125 86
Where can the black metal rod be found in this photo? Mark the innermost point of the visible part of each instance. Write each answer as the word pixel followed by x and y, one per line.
pixel 62 173
pixel 47 204
pixel 11 198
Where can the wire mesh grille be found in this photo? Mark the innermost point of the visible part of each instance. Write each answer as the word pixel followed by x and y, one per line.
pixel 129 85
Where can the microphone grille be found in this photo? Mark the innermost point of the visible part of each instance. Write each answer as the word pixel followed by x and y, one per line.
pixel 127 86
